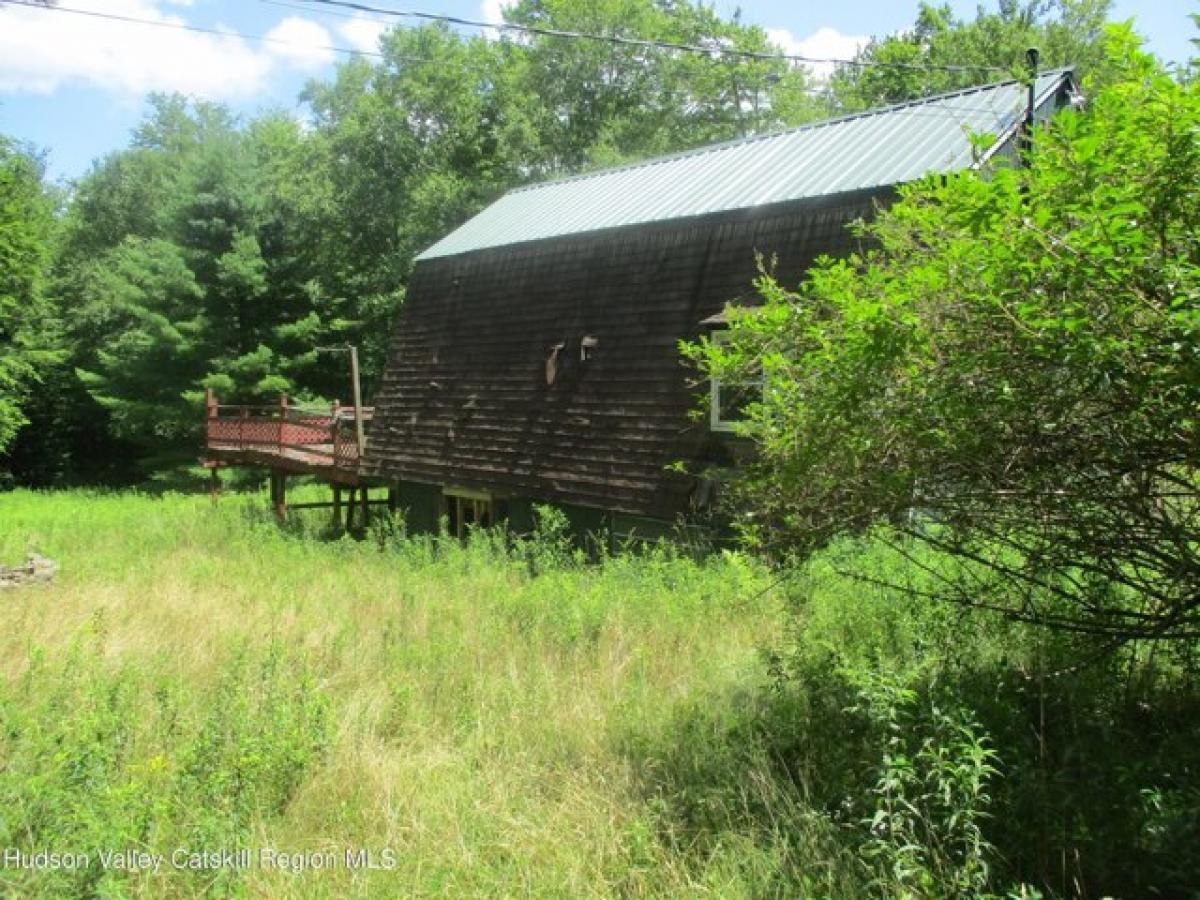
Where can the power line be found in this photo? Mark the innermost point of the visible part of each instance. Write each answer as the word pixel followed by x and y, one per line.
pixel 184 26
pixel 361 12
pixel 530 29
pixel 352 16
pixel 648 43
pixel 824 92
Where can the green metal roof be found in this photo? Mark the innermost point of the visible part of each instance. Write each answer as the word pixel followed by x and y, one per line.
pixel 873 149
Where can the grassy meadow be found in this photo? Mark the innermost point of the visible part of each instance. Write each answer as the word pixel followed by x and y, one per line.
pixel 196 677
pixel 498 719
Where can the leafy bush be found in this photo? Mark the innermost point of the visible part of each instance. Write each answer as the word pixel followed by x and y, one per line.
pixel 1011 375
pixel 550 546
pixel 930 794
pixel 908 707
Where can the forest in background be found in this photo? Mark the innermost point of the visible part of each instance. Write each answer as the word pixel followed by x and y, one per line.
pixel 218 252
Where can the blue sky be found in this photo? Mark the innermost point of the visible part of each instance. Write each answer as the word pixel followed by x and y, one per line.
pixel 75 85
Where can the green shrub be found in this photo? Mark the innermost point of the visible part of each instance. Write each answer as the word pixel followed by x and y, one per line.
pixel 930 794
pixel 102 757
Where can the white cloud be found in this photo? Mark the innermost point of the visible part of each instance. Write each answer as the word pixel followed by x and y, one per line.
pixel 824 43
pixel 301 42
pixel 363 33
pixel 493 11
pixel 41 50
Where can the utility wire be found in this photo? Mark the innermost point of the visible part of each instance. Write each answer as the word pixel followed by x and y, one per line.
pixel 530 29
pixel 825 93
pixel 183 26
pixel 647 43
pixel 822 92
pixel 352 16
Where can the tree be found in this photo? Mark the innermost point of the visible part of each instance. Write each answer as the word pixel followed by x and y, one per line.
pixel 297 237
pixel 153 348
pixel 406 149
pixel 1011 377
pixel 185 265
pixel 26 225
pixel 598 103
pixel 1066 32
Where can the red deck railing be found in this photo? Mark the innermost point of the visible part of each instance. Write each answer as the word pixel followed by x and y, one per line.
pixel 292 433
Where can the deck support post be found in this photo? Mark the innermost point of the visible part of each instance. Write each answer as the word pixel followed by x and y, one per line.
pixel 364 498
pixel 350 509
pixel 337 507
pixel 393 500
pixel 279 494
pixel 214 479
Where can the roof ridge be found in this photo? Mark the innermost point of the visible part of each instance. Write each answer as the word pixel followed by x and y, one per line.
pixel 795 129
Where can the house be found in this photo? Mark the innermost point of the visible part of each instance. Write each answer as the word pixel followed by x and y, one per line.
pixel 536 358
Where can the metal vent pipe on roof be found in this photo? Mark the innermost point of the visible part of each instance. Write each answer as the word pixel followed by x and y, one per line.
pixel 1031 57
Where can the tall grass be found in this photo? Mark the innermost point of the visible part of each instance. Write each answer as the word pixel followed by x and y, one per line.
pixel 505 718
pixel 196 677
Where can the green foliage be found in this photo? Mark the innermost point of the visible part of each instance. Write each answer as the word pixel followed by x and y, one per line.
pixel 101 758
pixel 197 676
pixel 930 794
pixel 1010 375
pixel 26 227
pixel 220 253
pixel 931 751
pixel 163 283
pixel 596 103
pixel 137 310
pixel 550 545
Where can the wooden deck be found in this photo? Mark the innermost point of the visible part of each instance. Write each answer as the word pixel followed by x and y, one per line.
pixel 292 440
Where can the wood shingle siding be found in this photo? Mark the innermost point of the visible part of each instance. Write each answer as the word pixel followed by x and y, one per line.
pixel 465 401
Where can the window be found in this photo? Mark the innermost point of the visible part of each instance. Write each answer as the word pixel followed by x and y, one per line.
pixel 728 399
pixel 465 509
